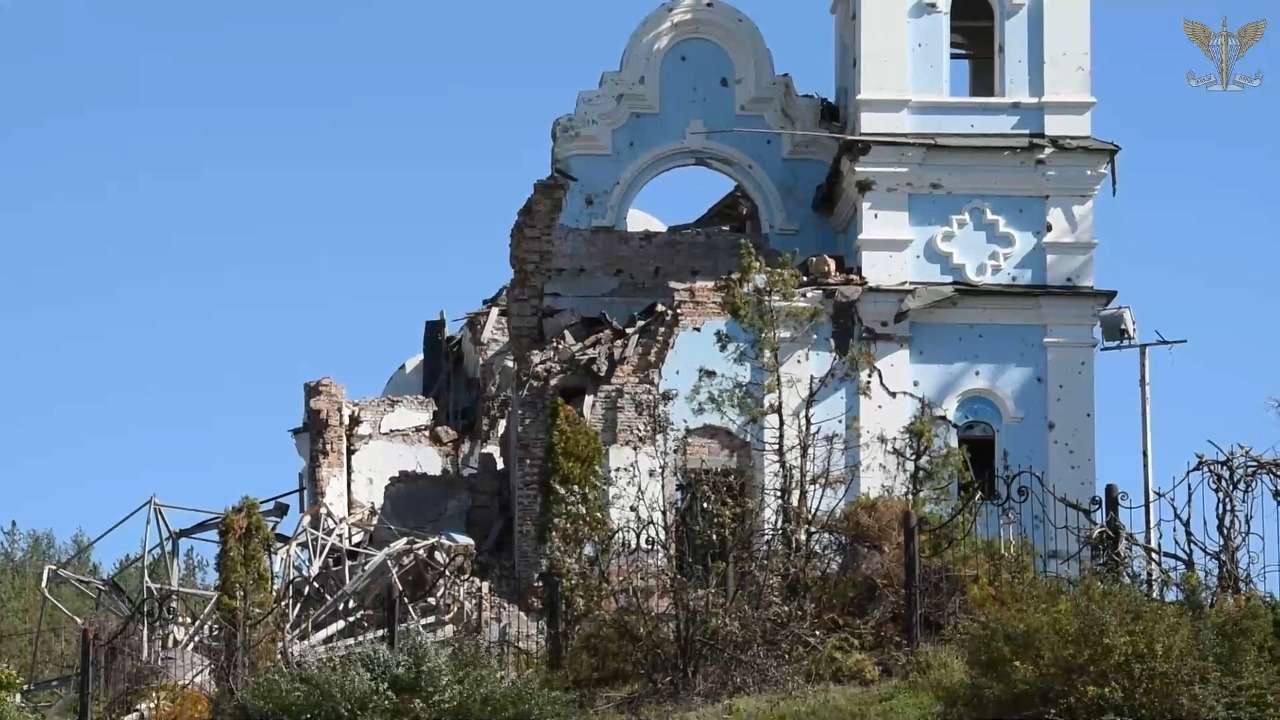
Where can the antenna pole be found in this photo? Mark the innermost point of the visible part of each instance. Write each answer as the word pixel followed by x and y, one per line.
pixel 1150 517
pixel 1148 472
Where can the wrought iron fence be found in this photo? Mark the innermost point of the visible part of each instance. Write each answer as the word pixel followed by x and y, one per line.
pixel 1213 531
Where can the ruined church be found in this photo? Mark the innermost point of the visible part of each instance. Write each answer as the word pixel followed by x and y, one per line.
pixel 939 203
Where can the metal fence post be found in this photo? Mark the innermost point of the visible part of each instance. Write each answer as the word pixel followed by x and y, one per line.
pixel 392 615
pixel 85 711
pixel 911 559
pixel 1115 529
pixel 555 630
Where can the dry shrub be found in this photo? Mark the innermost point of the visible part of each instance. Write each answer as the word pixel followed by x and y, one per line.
pixel 869 588
pixel 177 703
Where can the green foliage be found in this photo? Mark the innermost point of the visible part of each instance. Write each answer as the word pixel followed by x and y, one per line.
pixel 23 557
pixel 938 669
pixel 193 572
pixel 577 514
pixel 899 702
pixel 10 684
pixel 927 465
pixel 419 682
pixel 13 711
pixel 1099 650
pixel 1240 637
pixel 714 524
pixel 763 300
pixel 841 661
pixel 601 654
pixel 244 603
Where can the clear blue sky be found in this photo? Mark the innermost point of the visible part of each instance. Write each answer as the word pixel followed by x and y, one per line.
pixel 205 204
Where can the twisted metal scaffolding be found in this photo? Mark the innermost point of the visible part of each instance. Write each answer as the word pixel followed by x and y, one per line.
pixel 339 583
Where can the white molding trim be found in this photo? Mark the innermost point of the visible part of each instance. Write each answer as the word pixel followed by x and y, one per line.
pixel 993 264
pixel 698 149
pixel 1002 400
pixel 635 87
pixel 1060 342
pixel 884 243
pixel 998 102
pixel 1069 247
pixel 893 103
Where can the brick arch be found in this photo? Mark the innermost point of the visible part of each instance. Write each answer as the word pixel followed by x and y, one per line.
pixel 712 447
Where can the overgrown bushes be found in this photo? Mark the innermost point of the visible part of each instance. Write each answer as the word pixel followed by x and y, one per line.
pixel 420 681
pixel 10 684
pixel 1093 650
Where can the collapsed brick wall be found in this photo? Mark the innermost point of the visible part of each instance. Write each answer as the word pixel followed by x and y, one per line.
pixel 562 274
pixel 532 238
pixel 324 419
pixel 588 313
pixel 390 455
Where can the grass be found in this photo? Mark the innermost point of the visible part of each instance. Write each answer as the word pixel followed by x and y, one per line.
pixel 838 703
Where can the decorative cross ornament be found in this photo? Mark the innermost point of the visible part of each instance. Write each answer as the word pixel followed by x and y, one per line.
pixel 977 243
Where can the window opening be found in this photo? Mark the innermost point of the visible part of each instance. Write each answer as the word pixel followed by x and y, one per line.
pixel 978 445
pixel 973 48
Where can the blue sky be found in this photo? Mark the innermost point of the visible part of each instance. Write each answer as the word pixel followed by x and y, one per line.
pixel 205 204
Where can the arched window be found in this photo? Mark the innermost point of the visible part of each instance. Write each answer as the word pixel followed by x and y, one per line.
pixel 716 505
pixel 980 422
pixel 978 443
pixel 973 49
pixel 698 197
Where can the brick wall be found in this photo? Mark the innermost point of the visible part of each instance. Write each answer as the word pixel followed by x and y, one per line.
pixel 591 271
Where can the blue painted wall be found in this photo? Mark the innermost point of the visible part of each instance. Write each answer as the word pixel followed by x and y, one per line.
pixel 835 410
pixel 947 360
pixel 697 83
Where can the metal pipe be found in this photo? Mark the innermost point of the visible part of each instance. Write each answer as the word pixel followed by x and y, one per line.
pixel 146 541
pixel 85 690
pixel 1148 471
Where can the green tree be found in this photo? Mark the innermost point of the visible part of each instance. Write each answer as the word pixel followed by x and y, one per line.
pixel 577 516
pixel 245 599
pixel 24 554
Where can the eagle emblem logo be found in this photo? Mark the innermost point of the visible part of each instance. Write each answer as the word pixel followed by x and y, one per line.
pixel 1225 49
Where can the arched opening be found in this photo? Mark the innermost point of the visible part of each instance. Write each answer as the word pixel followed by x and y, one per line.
pixel 978 445
pixel 698 197
pixel 695 197
pixel 974 48
pixel 717 504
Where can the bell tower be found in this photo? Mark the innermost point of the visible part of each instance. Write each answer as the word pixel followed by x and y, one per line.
pixel 964 66
pixel 966 194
